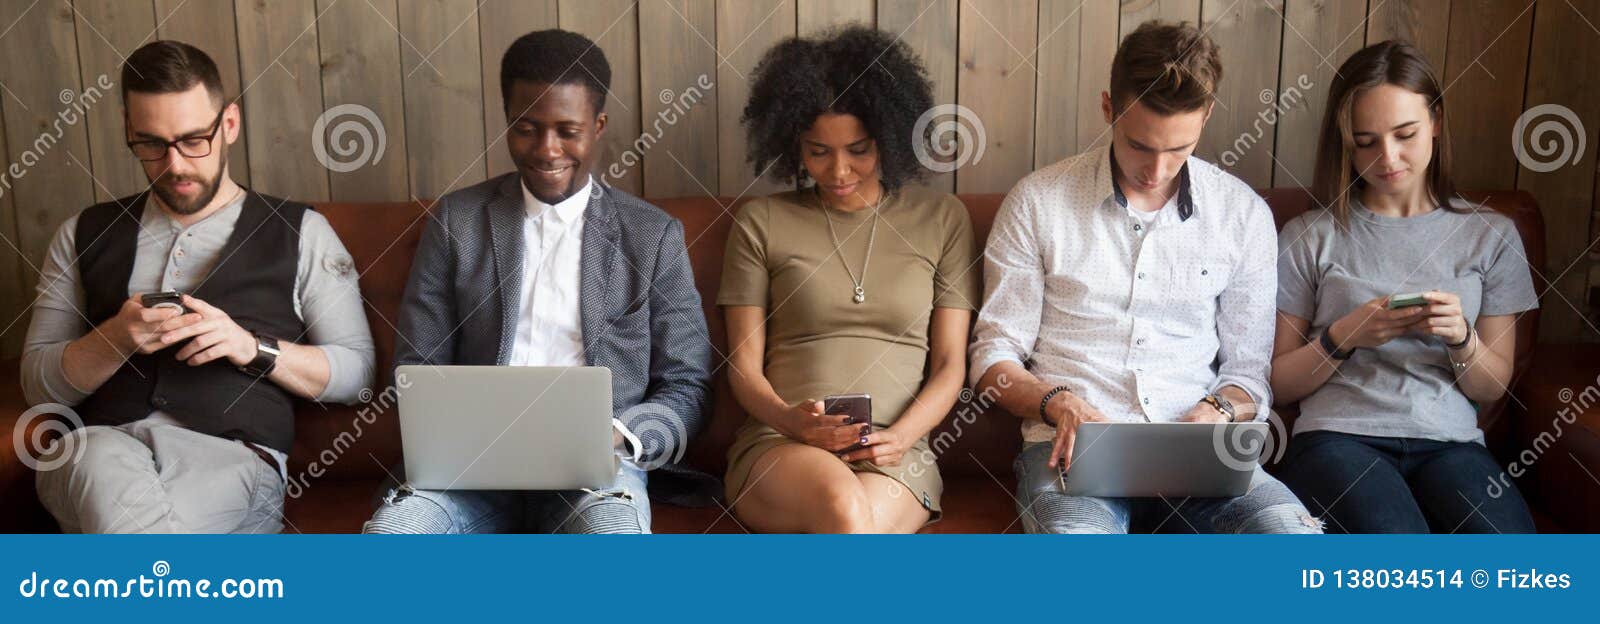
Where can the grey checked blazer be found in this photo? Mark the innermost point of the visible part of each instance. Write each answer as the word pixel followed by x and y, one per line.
pixel 639 309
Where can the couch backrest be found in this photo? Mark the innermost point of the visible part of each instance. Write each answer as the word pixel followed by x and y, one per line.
pixel 383 236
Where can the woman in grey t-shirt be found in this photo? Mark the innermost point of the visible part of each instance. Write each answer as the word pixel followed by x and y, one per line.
pixel 1388 439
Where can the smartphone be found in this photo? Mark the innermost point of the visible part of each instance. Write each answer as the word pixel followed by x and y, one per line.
pixel 1405 301
pixel 165 299
pixel 857 406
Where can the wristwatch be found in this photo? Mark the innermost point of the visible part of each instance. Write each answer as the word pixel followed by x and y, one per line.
pixel 1332 349
pixel 1221 403
pixel 267 352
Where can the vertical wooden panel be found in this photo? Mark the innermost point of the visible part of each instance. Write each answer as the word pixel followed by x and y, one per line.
pixel 1566 192
pixel 51 154
pixel 108 31
pixel 678 51
pixel 443 94
pixel 282 94
pixel 996 82
pixel 1484 79
pixel 1059 101
pixel 745 30
pixel 1424 23
pixel 1097 46
pixel 614 26
pixel 1250 36
pixel 208 25
pixel 1136 12
pixel 814 16
pixel 501 22
pixel 361 66
pixel 1317 37
pixel 929 28
pixel 14 302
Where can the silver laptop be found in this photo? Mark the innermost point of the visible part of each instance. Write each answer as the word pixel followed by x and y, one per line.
pixel 1164 459
pixel 506 427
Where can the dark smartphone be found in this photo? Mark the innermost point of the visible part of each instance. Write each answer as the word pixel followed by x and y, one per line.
pixel 857 406
pixel 166 299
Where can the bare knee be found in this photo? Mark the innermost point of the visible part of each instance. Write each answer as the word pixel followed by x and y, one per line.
pixel 845 508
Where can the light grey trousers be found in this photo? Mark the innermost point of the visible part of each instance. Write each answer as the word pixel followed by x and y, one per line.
pixel 149 477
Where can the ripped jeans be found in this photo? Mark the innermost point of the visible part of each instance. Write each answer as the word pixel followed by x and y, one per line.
pixel 1267 507
pixel 622 508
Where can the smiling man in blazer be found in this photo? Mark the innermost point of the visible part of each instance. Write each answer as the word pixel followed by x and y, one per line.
pixel 546 267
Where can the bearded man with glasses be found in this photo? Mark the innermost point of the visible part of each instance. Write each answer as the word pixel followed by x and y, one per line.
pixel 182 322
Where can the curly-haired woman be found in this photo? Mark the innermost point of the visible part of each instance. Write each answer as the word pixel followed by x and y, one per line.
pixel 855 283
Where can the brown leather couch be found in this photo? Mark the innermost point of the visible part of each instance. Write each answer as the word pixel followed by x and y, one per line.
pixel 340 493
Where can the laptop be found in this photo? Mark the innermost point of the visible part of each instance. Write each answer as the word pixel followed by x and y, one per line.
pixel 506 427
pixel 1169 459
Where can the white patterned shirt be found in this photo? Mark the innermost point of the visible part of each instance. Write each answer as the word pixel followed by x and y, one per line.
pixel 1141 321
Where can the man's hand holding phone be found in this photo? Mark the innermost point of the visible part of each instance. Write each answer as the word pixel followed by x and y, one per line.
pixel 137 328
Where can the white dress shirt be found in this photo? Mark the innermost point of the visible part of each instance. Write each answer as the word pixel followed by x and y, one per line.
pixel 549 328
pixel 549 320
pixel 1139 320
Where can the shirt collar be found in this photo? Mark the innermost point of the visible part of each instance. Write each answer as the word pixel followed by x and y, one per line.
pixel 154 216
pixel 1108 179
pixel 565 211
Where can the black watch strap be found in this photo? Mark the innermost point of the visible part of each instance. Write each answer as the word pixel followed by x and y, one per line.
pixel 266 359
pixel 1046 401
pixel 1332 349
pixel 1464 341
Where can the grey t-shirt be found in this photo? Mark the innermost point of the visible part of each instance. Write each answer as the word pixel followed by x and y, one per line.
pixel 1405 388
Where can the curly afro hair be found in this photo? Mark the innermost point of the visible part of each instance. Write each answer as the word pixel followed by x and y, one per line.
pixel 857 71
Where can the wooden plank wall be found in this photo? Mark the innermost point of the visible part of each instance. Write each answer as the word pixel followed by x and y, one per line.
pixel 1031 70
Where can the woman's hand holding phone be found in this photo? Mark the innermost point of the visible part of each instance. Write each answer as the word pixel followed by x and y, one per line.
pixel 806 422
pixel 1372 324
pixel 1442 317
pixel 884 447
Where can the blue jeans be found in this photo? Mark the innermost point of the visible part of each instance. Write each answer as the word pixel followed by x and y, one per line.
pixel 1267 507
pixel 622 508
pixel 1368 484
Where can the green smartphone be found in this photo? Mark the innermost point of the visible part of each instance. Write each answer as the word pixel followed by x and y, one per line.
pixel 1405 301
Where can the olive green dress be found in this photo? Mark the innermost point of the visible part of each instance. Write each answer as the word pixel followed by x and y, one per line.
pixel 819 341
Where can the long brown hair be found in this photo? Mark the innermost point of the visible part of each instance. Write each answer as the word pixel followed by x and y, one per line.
pixel 1389 62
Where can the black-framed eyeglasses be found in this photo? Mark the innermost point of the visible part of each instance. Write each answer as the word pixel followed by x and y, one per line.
pixel 193 146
